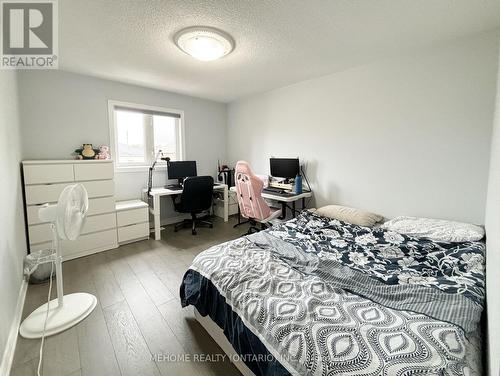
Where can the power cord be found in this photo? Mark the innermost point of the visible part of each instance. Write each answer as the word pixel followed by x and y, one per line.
pixel 46 319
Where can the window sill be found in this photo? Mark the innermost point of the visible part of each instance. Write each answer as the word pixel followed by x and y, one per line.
pixel 138 169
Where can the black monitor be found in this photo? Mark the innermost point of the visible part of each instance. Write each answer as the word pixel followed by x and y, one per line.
pixel 284 167
pixel 181 169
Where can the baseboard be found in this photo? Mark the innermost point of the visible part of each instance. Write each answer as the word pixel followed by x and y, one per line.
pixel 134 240
pixel 10 346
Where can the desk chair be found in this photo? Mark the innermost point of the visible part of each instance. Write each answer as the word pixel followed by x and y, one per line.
pixel 252 205
pixel 196 197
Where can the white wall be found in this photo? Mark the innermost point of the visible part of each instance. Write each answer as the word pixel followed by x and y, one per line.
pixel 403 136
pixel 62 110
pixel 493 243
pixel 12 237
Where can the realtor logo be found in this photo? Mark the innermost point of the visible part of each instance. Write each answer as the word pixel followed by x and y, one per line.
pixel 29 34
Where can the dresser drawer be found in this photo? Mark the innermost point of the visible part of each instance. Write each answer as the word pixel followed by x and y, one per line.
pixel 132 232
pixel 98 240
pixel 49 173
pixel 96 206
pixel 94 171
pixel 85 244
pixel 32 213
pixel 99 223
pixel 101 205
pixel 41 233
pixel 40 194
pixel 129 217
pixel 100 188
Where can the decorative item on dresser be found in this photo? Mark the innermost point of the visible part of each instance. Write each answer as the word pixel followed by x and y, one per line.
pixel 44 180
pixel 87 151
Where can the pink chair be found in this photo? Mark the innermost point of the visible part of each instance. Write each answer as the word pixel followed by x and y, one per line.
pixel 249 192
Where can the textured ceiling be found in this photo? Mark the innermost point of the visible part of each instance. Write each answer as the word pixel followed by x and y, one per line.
pixel 277 42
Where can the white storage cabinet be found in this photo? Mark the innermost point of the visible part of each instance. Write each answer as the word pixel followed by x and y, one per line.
pixel 232 206
pixel 132 218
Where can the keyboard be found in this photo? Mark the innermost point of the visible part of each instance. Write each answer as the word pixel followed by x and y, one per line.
pixel 273 190
pixel 285 194
pixel 277 192
pixel 174 187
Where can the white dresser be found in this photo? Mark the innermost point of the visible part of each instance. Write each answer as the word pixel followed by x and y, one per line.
pixel 45 180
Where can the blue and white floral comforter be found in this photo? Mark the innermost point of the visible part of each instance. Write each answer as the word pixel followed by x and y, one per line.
pixel 455 268
pixel 330 298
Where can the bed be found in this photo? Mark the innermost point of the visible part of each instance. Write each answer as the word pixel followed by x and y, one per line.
pixel 318 296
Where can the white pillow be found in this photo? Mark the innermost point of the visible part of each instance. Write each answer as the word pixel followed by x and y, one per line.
pixel 350 215
pixel 435 229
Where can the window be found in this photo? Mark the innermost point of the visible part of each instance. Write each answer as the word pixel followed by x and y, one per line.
pixel 138 132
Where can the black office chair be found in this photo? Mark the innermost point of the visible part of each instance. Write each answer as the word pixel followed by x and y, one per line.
pixel 196 197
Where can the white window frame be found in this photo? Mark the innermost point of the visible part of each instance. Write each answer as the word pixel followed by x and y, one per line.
pixel 113 137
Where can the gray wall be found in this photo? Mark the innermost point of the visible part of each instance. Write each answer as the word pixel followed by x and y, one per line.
pixel 493 243
pixel 12 238
pixel 62 110
pixel 403 136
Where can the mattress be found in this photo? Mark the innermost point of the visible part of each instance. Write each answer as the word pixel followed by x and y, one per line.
pixel 316 296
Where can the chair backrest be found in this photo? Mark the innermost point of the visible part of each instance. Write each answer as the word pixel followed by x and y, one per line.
pixel 197 193
pixel 249 192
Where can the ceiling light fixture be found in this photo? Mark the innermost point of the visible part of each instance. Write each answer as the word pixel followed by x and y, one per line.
pixel 204 43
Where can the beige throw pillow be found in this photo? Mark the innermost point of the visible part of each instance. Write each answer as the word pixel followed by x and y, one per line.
pixel 350 215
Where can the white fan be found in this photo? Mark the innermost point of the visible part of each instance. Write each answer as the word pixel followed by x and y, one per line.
pixel 66 221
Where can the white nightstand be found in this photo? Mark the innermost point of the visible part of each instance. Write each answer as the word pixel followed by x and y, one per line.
pixel 132 219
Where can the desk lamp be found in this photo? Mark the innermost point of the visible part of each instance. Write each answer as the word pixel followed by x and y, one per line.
pixel 159 156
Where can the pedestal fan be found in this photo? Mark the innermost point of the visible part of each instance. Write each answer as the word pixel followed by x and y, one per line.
pixel 66 221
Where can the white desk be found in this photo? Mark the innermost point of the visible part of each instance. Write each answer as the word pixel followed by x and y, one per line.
pixel 284 200
pixel 156 193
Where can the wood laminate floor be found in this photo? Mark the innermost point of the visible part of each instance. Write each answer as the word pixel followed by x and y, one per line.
pixel 138 313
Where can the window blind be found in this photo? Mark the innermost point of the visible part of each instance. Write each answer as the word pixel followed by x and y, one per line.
pixel 147 112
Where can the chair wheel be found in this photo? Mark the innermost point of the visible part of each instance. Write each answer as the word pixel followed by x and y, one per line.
pixel 175 230
pixel 193 232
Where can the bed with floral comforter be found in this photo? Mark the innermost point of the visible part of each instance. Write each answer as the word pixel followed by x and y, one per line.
pixel 316 296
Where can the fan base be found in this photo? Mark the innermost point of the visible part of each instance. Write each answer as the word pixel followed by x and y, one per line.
pixel 76 307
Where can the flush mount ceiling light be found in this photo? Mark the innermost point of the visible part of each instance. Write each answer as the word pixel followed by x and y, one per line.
pixel 204 43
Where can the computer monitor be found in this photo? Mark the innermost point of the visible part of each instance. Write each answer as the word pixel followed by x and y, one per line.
pixel 284 167
pixel 181 169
